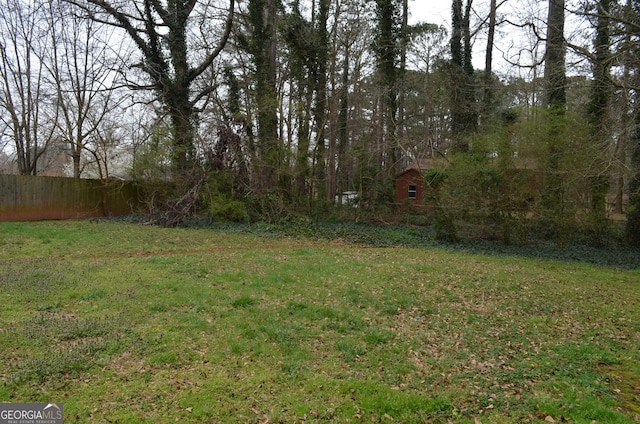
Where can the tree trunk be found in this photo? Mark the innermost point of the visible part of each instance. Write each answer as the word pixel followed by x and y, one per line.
pixel 555 68
pixel 464 119
pixel 387 55
pixel 404 42
pixel 488 62
pixel 182 129
pixel 598 111
pixel 343 133
pixel 555 100
pixel 263 19
pixel 632 230
pixel 320 109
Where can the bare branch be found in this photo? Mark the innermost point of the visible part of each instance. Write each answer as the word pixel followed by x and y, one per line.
pixel 194 73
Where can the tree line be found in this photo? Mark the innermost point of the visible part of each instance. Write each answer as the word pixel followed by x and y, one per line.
pixel 271 105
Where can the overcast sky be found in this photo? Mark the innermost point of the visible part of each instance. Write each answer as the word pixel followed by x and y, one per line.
pixel 432 11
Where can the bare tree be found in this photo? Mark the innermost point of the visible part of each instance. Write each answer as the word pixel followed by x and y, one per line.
pixel 29 111
pixel 353 34
pixel 84 69
pixel 425 115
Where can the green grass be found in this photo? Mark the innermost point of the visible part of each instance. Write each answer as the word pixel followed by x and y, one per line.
pixel 124 323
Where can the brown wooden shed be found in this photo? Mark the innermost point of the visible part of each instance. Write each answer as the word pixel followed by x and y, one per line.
pixel 409 187
pixel 410 184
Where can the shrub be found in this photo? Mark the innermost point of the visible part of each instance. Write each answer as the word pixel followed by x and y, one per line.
pixel 268 208
pixel 222 207
pixel 218 198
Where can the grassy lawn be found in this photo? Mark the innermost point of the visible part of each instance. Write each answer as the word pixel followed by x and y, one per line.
pixel 130 323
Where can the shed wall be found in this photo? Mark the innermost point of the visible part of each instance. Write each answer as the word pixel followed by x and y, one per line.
pixel 403 181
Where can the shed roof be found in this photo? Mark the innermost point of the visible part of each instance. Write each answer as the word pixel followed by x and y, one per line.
pixel 425 164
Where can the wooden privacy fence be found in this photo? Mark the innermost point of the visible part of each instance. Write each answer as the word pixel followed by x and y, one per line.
pixel 28 198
